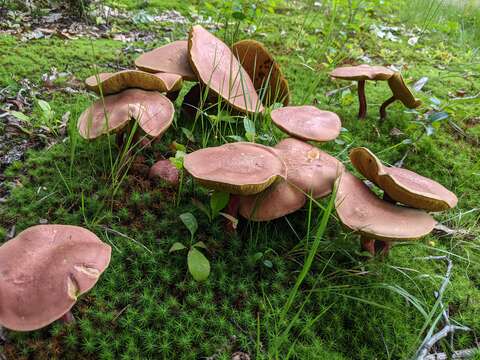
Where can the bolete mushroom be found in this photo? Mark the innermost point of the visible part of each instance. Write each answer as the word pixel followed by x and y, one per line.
pixel 43 271
pixel 170 58
pixel 362 211
pixel 402 185
pixel 111 83
pixel 240 168
pixel 216 66
pixel 165 171
pixel 263 70
pixel 400 92
pixel 152 110
pixel 307 122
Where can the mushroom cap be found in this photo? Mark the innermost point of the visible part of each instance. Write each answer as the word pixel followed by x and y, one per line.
pixel 170 58
pixel 401 91
pixel 362 211
pixel 165 170
pixel 307 122
pixel 402 185
pixel 240 168
pixel 308 168
pixel 278 200
pixel 261 67
pixel 112 83
pixel 43 270
pixel 153 111
pixel 217 68
pixel 362 72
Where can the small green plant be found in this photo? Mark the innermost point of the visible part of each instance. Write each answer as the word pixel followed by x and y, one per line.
pixel 218 201
pixel 198 264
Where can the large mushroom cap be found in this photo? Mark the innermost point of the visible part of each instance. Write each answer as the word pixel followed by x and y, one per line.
pixel 401 91
pixel 153 111
pixel 220 71
pixel 402 185
pixel 278 200
pixel 170 58
pixel 263 70
pixel 362 211
pixel 362 72
pixel 308 168
pixel 239 168
pixel 112 83
pixel 307 122
pixel 43 270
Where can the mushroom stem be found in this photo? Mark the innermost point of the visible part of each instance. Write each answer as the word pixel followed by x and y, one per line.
pixel 368 245
pixel 232 209
pixel 362 100
pixel 67 318
pixel 383 108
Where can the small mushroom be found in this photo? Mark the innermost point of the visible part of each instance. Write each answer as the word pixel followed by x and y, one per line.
pixel 361 73
pixel 111 83
pixel 153 111
pixel 362 211
pixel 240 168
pixel 400 92
pixel 170 58
pixel 43 271
pixel 218 68
pixel 307 122
pixel 402 185
pixel 166 171
pixel 263 70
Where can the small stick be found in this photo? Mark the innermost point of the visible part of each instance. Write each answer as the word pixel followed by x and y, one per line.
pixel 362 100
pixel 383 108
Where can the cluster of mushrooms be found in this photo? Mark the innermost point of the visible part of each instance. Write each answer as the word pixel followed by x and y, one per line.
pixel 46 267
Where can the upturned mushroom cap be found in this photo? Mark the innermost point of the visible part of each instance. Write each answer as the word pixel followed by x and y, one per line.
pixel 43 270
pixel 240 168
pixel 166 171
pixel 362 211
pixel 402 185
pixel 263 70
pixel 112 83
pixel 218 68
pixel 278 200
pixel 153 111
pixel 170 58
pixel 308 168
pixel 401 91
pixel 362 72
pixel 307 122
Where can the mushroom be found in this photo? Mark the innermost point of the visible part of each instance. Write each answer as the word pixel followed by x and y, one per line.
pixel 111 83
pixel 43 270
pixel 307 122
pixel 170 58
pixel 166 171
pixel 153 111
pixel 263 70
pixel 240 168
pixel 309 171
pixel 362 211
pixel 402 185
pixel 400 92
pixel 218 68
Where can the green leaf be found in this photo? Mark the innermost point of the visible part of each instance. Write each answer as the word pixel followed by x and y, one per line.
pixel 200 244
pixel 202 207
pixel 176 247
pixel 45 106
pixel 218 201
pixel 190 222
pixel 188 134
pixel 249 126
pixel 236 137
pixel 178 163
pixel 20 116
pixel 257 256
pixel 268 263
pixel 198 265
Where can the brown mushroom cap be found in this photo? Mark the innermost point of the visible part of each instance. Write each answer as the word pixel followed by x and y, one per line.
pixel 278 200
pixel 362 211
pixel 170 58
pixel 239 168
pixel 217 68
pixel 362 72
pixel 401 91
pixel 153 111
pixel 261 67
pixel 308 168
pixel 402 185
pixel 166 171
pixel 307 122
pixel 43 270
pixel 112 83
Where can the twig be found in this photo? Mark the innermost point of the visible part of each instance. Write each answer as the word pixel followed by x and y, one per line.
pixel 456 355
pixel 447 329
